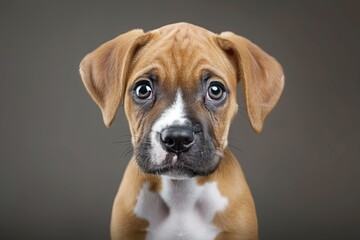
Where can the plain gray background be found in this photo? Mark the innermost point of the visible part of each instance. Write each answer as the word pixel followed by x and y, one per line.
pixel 60 166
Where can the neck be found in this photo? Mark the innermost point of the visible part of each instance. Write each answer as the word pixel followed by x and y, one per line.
pixel 179 194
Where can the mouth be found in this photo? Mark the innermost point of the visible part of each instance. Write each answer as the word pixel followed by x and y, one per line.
pixel 172 166
pixel 179 171
pixel 178 166
pixel 175 171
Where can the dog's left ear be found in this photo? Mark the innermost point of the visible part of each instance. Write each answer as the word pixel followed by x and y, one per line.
pixel 261 76
pixel 104 71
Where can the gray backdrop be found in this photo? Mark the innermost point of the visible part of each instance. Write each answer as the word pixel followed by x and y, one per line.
pixel 59 165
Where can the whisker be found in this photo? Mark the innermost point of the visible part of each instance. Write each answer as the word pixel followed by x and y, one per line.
pixel 125 141
pixel 239 149
pixel 127 150
pixel 243 114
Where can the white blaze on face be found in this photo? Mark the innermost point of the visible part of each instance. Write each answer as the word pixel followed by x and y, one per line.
pixel 174 115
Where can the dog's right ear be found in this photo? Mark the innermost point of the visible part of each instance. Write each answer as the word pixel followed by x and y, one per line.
pixel 104 71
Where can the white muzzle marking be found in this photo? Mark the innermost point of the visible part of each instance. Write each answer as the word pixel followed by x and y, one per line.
pixel 174 115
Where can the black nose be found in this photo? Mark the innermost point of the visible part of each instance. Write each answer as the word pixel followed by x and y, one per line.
pixel 177 139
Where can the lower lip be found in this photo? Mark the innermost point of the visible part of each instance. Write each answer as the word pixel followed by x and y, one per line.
pixel 176 170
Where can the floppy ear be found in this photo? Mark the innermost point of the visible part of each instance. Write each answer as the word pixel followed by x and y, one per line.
pixel 261 76
pixel 104 71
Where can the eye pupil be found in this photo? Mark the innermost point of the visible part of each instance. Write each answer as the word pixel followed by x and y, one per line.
pixel 143 91
pixel 215 92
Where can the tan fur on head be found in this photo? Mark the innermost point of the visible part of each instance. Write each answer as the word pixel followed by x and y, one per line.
pixel 261 76
pixel 104 71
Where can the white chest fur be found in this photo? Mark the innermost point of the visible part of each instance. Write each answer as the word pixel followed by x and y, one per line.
pixel 182 210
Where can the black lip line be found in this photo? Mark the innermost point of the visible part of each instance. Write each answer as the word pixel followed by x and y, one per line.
pixel 185 168
pixel 169 168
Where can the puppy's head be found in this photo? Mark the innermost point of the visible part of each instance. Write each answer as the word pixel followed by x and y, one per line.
pixel 178 86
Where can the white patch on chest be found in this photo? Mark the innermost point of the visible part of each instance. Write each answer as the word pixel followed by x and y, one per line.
pixel 175 114
pixel 182 210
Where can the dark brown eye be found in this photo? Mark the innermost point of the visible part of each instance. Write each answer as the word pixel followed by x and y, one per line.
pixel 143 90
pixel 215 91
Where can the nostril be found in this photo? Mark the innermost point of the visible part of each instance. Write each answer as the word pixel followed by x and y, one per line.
pixel 168 141
pixel 188 139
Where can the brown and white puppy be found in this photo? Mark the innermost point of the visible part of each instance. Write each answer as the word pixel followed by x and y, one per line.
pixel 178 87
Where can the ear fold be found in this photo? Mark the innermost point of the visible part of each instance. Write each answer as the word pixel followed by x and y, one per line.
pixel 261 76
pixel 104 71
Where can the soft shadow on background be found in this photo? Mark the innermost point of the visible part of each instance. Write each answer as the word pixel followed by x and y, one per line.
pixel 60 166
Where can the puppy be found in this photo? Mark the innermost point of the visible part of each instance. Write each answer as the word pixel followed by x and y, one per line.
pixel 178 85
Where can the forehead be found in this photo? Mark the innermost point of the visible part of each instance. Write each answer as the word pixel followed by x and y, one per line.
pixel 182 52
